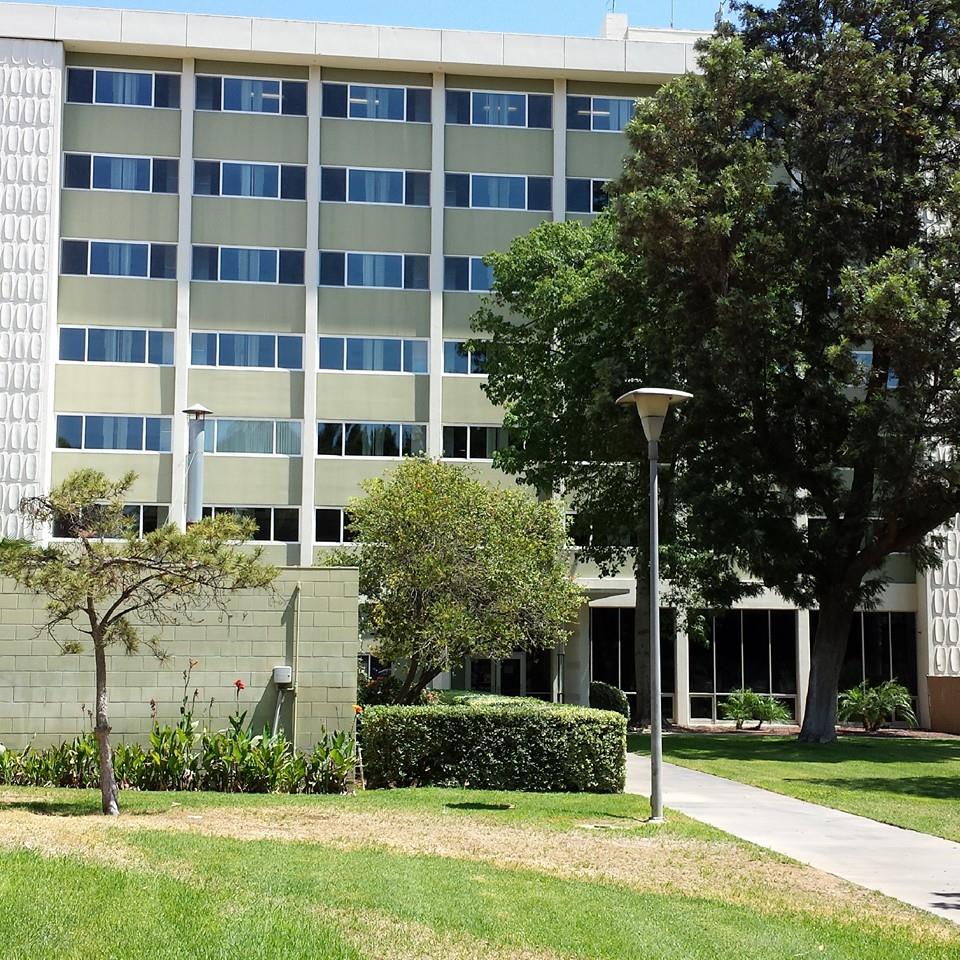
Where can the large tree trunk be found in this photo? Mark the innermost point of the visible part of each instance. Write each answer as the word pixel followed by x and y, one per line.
pixel 108 782
pixel 826 661
pixel 641 647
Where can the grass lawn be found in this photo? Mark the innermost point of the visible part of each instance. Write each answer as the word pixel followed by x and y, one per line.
pixel 415 874
pixel 910 783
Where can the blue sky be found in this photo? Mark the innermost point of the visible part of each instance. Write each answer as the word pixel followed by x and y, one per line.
pixel 573 17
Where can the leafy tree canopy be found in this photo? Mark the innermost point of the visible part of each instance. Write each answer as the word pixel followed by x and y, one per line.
pixel 450 566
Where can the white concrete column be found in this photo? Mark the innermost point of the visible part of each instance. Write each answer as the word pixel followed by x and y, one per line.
pixel 31 95
pixel 681 697
pixel 311 360
pixel 803 661
pixel 576 661
pixel 923 641
pixel 438 113
pixel 181 338
pixel 559 150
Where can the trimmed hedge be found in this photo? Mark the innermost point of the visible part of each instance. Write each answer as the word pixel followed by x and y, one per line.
pixel 494 747
pixel 605 696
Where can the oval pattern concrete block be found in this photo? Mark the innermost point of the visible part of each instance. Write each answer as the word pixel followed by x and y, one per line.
pixel 943 599
pixel 30 83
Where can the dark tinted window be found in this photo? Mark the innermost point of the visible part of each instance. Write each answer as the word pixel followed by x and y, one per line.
pixel 72 344
pixel 330 439
pixel 294 98
pixel 578 113
pixel 331 353
pixel 327 525
pixel 458 106
pixel 291 266
pixel 205 263
pixel 334 99
pixel 163 261
pixel 457 190
pixel 416 272
pixel 456 273
pixel 539 110
pixel 331 269
pixel 538 193
pixel 286 524
pixel 69 433
pixel 293 183
pixel 79 85
pixel 290 353
pixel 206 178
pixel 165 175
pixel 73 257
pixel 76 170
pixel 455 443
pixel 333 184
pixel 166 90
pixel 209 93
pixel 599 196
pixel 579 197
pixel 418 189
pixel 726 638
pixel 418 105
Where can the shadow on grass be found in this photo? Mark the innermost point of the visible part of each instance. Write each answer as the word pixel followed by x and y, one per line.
pixel 936 788
pixel 479 806
pixel 53 808
pixel 740 747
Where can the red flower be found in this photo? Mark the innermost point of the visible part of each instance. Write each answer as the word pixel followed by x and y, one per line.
pixel 240 685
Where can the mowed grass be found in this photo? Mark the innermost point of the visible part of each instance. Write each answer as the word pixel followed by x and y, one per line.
pixel 906 782
pixel 445 874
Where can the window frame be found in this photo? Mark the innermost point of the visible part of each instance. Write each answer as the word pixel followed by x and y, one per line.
pixel 403 288
pixel 89 241
pixel 116 363
pixel 593 112
pixel 343 424
pixel 83 448
pixel 214 421
pixel 343 526
pixel 374 203
pixel 468 427
pixel 592 181
pixel 137 106
pixel 259 113
pixel 245 333
pixel 344 337
pixel 470 263
pixel 349 84
pixel 469 356
pixel 229 246
pixel 242 196
pixel 120 156
pixel 525 177
pixel 272 507
pixel 526 94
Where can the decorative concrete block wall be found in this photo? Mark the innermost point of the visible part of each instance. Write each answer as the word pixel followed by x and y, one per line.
pixel 308 621
pixel 30 113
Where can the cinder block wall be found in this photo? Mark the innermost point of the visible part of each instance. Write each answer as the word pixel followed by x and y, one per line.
pixel 308 620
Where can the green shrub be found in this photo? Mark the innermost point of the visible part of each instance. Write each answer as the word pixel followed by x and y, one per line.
pixel 874 706
pixel 605 696
pixel 546 747
pixel 743 705
pixel 477 698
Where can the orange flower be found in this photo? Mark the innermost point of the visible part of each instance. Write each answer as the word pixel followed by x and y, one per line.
pixel 357 709
pixel 240 685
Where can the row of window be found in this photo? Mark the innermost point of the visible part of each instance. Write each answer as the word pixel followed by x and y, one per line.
pixel 227 178
pixel 107 258
pixel 247 265
pixel 263 351
pixel 356 101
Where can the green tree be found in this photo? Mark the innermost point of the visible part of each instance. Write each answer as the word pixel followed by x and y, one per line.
pixel 582 339
pixel 450 566
pixel 103 577
pixel 789 219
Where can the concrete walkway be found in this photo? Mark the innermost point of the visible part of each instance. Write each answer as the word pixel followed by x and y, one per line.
pixel 912 867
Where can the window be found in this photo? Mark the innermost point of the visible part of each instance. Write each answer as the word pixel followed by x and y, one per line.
pixel 457 359
pixel 258 437
pixel 358 101
pixel 746 648
pixel 480 108
pixel 248 265
pixel 116 345
pixel 215 178
pixel 472 443
pixel 94 432
pixel 374 354
pixel 586 196
pixel 371 439
pixel 252 95
pixel 864 360
pixel 397 271
pixel 123 88
pixel 83 171
pixel 467 274
pixel 609 114
pixel 489 192
pixel 361 185
pixel 144 518
pixel 274 524
pixel 332 525
pixel 103 258
pixel 263 350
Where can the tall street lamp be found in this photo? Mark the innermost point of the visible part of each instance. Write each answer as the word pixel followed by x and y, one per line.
pixel 198 414
pixel 652 404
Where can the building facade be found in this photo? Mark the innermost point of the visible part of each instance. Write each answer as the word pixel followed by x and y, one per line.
pixel 285 222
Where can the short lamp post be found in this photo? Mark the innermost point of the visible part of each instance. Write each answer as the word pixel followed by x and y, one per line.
pixel 652 404
pixel 198 414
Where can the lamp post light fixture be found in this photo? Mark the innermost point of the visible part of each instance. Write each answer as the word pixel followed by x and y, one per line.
pixel 652 404
pixel 198 414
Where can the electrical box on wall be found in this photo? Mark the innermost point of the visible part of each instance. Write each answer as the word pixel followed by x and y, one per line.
pixel 283 675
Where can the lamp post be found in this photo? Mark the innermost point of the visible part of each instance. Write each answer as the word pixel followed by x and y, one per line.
pixel 198 414
pixel 652 404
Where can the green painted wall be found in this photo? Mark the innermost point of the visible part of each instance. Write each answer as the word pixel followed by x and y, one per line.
pixel 121 62
pixel 396 78
pixel 499 150
pixel 248 393
pixel 366 143
pixel 247 306
pixel 152 469
pixel 108 388
pixel 118 215
pixel 595 154
pixel 465 402
pixel 89 128
pixel 338 479
pixel 599 88
pixel 121 301
pixel 266 480
pixel 458 308
pixel 380 397
pixel 383 228
pixel 456 81
pixel 478 232
pixel 250 222
pixel 44 694
pixel 398 313
pixel 231 68
pixel 237 136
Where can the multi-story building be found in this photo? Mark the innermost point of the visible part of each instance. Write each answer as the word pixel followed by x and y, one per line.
pixel 284 221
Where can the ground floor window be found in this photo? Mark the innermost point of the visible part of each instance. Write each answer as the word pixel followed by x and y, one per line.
pixel 522 674
pixel 744 648
pixel 612 647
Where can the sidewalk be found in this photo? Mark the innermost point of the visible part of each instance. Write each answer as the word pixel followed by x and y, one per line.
pixel 913 867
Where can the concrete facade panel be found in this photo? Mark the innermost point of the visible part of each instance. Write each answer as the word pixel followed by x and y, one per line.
pixel 384 228
pixel 365 143
pixel 251 480
pixel 595 155
pixel 498 150
pixel 465 402
pixel 248 222
pixel 382 398
pixel 152 484
pixel 110 388
pixel 117 301
pixel 397 313
pixel 232 136
pixel 479 232
pixel 89 128
pixel 118 215
pixel 247 306
pixel 248 393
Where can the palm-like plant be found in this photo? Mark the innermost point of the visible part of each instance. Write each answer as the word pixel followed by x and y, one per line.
pixel 875 705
